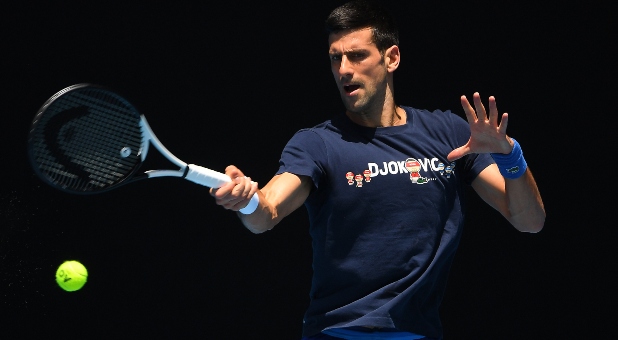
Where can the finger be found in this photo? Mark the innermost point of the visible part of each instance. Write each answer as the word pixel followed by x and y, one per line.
pixel 458 153
pixel 230 168
pixel 247 188
pixel 504 122
pixel 223 191
pixel 493 111
pixel 243 181
pixel 240 187
pixel 254 187
pixel 233 171
pixel 243 188
pixel 213 192
pixel 468 110
pixel 242 194
pixel 480 108
pixel 234 199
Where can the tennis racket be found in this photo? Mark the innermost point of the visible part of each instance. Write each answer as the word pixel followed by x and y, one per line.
pixel 88 139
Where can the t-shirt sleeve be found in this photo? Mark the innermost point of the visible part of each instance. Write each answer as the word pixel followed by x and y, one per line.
pixel 304 155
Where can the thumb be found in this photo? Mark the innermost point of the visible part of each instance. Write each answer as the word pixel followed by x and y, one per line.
pixel 458 153
pixel 233 172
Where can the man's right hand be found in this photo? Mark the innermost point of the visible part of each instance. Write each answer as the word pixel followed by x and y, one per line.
pixel 236 194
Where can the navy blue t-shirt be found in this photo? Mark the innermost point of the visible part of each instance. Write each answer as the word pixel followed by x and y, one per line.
pixel 386 215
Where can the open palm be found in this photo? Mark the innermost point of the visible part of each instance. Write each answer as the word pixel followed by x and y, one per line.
pixel 487 135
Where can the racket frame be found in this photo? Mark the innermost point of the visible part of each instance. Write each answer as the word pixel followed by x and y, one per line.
pixel 192 172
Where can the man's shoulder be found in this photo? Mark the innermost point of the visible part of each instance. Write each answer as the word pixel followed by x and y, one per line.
pixel 428 112
pixel 434 116
pixel 327 126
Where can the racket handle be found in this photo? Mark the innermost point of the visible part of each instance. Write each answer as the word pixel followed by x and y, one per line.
pixel 215 179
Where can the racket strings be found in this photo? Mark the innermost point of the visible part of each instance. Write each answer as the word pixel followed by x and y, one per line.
pixel 88 139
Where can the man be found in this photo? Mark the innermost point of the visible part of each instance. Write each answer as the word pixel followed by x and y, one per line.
pixel 384 186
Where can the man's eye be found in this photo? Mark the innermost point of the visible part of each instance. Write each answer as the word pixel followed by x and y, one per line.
pixel 356 56
pixel 335 57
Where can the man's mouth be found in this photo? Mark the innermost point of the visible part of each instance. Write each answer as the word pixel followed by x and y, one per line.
pixel 350 88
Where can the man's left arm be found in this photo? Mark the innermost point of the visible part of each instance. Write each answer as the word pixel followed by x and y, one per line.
pixel 518 199
pixel 508 185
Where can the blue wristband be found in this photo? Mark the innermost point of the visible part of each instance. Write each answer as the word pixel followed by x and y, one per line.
pixel 512 165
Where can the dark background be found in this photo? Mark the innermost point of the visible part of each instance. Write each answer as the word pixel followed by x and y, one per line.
pixel 229 83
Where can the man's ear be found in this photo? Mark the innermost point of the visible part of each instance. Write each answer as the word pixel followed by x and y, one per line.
pixel 392 58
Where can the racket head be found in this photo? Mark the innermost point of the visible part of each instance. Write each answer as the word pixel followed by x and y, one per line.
pixel 86 139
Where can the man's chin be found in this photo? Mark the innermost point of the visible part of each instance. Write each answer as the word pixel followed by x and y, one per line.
pixel 350 103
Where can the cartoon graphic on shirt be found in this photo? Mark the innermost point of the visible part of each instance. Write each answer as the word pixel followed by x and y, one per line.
pixel 350 177
pixel 367 174
pixel 450 169
pixel 359 180
pixel 413 166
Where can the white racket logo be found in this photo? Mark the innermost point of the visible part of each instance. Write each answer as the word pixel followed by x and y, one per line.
pixel 125 152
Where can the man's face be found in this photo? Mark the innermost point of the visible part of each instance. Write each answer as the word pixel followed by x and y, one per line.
pixel 359 70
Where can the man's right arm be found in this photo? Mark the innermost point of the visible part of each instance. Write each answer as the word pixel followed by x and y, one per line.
pixel 277 199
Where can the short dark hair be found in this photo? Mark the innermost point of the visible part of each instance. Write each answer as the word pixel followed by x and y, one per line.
pixel 358 14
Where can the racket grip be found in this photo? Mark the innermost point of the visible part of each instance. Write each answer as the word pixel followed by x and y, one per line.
pixel 215 179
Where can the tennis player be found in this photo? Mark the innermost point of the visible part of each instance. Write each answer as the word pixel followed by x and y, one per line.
pixel 384 186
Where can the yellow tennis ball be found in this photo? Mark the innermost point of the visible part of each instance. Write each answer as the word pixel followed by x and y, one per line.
pixel 71 276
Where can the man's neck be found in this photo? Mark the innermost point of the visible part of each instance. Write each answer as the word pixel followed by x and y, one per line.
pixel 392 116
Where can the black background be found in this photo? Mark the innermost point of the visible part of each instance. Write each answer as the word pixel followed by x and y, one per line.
pixel 229 83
